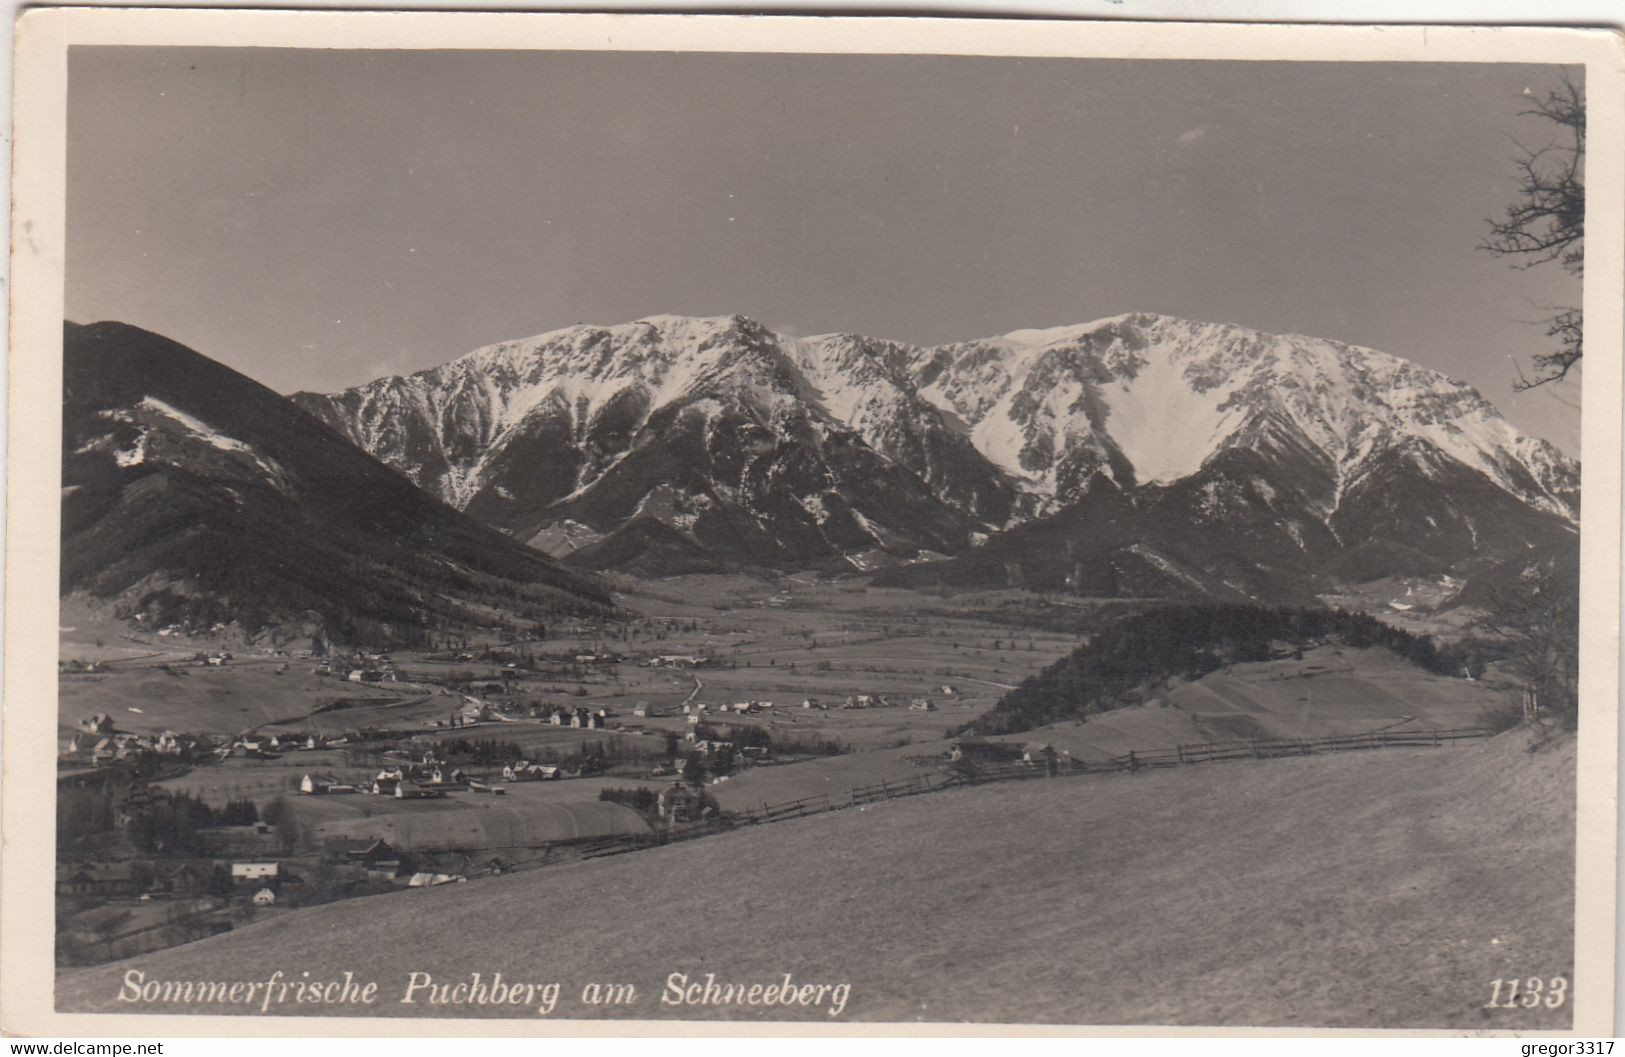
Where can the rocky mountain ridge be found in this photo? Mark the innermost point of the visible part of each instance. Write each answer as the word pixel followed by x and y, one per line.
pixel 673 442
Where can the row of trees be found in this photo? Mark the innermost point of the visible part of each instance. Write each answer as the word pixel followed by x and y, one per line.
pixel 168 824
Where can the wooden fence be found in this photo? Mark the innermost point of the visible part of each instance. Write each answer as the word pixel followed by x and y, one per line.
pixel 1010 770
pixel 1264 749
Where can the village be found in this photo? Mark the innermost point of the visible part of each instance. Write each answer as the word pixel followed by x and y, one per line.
pixel 291 776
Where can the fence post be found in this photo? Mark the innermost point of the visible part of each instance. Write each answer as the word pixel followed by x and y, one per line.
pixel 1181 750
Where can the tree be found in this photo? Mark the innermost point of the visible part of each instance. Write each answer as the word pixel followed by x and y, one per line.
pixel 279 813
pixel 1536 619
pixel 694 770
pixel 1546 221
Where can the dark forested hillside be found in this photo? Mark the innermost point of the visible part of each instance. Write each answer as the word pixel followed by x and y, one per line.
pixel 193 495
pixel 1117 666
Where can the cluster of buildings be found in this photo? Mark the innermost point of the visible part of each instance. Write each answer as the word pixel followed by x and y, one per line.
pixel 580 718
pixel 526 771
pixel 272 746
pixel 972 748
pixel 381 862
pixel 96 742
pixel 259 881
pixel 428 780
pixel 680 660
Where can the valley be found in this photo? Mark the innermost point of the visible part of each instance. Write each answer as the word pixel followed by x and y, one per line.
pixel 771 722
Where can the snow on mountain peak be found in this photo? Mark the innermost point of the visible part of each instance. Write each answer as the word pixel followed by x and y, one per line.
pixel 1139 397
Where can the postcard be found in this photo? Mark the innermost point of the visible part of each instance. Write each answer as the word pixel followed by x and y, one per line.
pixel 552 524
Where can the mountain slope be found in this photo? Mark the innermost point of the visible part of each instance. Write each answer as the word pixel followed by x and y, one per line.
pixel 1238 462
pixel 194 495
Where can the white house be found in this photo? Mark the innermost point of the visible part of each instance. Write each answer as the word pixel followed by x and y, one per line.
pixel 313 784
pixel 253 871
pixel 264 898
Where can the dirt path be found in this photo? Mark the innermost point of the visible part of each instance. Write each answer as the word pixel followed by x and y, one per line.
pixel 986 682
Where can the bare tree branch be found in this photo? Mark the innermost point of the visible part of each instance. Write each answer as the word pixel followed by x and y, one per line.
pixel 1546 222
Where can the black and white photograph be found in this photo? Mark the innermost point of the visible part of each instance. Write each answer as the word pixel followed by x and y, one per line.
pixel 730 521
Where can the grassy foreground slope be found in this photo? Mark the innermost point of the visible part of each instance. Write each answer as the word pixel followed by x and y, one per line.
pixel 1374 889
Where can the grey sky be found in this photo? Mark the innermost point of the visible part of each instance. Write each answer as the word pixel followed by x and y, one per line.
pixel 317 219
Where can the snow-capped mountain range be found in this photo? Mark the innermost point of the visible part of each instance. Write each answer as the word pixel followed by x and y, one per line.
pixel 688 441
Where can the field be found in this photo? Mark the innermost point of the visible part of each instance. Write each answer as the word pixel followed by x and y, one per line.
pixel 262 780
pixel 144 698
pixel 1254 893
pixel 1333 690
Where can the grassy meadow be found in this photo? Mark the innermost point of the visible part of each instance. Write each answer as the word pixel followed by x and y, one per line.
pixel 1383 889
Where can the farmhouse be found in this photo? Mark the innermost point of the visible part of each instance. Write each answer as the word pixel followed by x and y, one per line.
pixel 98 723
pixel 185 880
pixel 253 871
pixel 409 790
pixel 644 710
pixel 264 897
pixel 96 879
pixel 921 704
pixel 379 858
pixel 678 804
pixel 525 771
pixel 316 784
pixel 977 748
pixel 446 775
